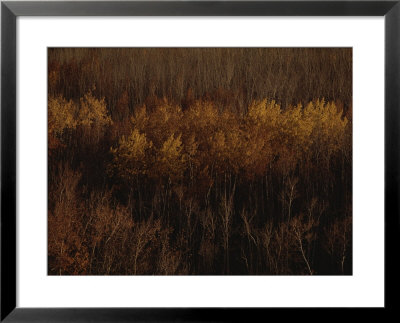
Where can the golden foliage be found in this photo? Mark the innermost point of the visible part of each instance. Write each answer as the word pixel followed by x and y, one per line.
pixel 61 115
pixel 90 115
pixel 132 156
pixel 201 137
pixel 170 160
pixel 93 112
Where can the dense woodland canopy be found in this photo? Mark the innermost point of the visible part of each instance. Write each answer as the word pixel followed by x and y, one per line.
pixel 181 161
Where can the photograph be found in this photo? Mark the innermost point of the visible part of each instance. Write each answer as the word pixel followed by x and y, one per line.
pixel 199 161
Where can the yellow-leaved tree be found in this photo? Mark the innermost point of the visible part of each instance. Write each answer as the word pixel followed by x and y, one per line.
pixel 61 114
pixel 61 117
pixel 93 118
pixel 132 157
pixel 93 112
pixel 171 161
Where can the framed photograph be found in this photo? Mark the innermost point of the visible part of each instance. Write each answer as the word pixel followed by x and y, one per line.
pixel 197 161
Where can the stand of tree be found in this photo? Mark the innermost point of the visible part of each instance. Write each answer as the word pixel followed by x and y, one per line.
pixel 199 161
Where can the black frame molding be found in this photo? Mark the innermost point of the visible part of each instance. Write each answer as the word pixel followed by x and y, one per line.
pixel 10 10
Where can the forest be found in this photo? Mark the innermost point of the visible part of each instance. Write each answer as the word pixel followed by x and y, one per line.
pixel 199 161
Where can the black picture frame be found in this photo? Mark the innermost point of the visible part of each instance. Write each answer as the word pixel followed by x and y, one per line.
pixel 10 10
